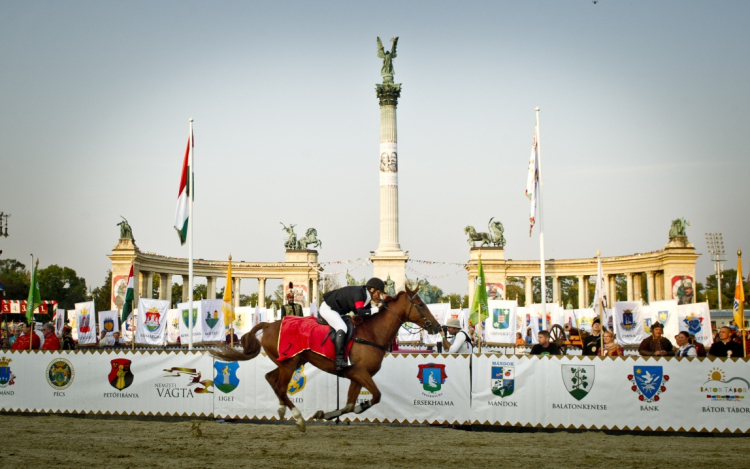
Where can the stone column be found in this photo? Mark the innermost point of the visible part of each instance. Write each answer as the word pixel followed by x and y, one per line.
pixel 582 289
pixel 586 293
pixel 637 287
pixel 314 294
pixel 608 283
pixel 236 291
pixel 389 260
pixel 262 292
pixel 186 288
pixel 165 289
pixel 629 278
pixel 650 287
pixel 556 289
pixel 211 288
pixel 528 290
pixel 613 290
pixel 147 284
pixel 659 287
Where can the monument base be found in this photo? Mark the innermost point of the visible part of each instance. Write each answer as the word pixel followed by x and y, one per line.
pixel 390 264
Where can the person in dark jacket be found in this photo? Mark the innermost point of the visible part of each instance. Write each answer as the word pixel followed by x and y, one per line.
pixel 656 345
pixel 357 299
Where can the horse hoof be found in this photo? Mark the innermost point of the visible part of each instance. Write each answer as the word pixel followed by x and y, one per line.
pixel 301 425
pixel 318 415
pixel 282 412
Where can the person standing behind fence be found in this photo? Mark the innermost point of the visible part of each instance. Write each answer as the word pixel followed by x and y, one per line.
pixel 51 342
pixel 23 341
pixel 458 341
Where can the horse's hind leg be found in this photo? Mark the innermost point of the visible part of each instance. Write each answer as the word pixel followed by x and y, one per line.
pixel 283 376
pixel 351 399
pixel 272 377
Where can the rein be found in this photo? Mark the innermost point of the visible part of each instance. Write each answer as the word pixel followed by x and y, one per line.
pixel 412 304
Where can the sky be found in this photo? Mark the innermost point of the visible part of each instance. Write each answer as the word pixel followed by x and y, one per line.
pixel 643 107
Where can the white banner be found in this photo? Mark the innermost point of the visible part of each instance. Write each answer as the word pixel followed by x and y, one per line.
pixel 151 322
pixel 440 312
pixel 109 322
pixel 212 321
pixel 136 383
pixel 629 323
pixel 665 312
pixel 501 327
pixel 173 326
pixel 522 323
pixel 695 318
pixel 86 323
pixel 59 322
pixel 581 319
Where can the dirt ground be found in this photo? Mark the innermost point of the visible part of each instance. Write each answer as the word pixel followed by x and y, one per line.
pixel 65 441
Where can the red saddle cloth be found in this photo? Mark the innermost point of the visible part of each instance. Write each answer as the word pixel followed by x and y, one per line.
pixel 299 334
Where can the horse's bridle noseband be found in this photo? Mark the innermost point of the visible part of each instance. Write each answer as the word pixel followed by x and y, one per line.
pixel 412 304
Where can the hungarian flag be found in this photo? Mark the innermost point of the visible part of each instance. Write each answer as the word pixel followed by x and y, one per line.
pixel 228 307
pixel 35 296
pixel 479 310
pixel 739 297
pixel 127 307
pixel 532 181
pixel 181 214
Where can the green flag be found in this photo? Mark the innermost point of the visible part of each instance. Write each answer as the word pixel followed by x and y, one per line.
pixel 35 296
pixel 479 304
pixel 127 307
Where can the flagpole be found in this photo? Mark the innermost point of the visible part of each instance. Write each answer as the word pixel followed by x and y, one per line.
pixel 541 221
pixel 601 307
pixel 741 306
pixel 191 222
pixel 479 315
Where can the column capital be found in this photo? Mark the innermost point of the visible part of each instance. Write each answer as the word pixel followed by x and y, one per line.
pixel 388 93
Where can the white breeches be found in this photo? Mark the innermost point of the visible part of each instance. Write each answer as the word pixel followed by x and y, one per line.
pixel 333 318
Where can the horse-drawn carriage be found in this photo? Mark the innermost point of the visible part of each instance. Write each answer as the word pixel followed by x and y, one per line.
pixel 566 337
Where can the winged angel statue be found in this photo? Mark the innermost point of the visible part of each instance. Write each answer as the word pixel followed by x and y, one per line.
pixel 387 71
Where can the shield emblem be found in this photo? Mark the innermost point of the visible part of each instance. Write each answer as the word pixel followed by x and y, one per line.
pixel 502 380
pixel 663 316
pixel 432 376
pixel 60 374
pixel 83 325
pixel 109 325
pixel 120 376
pixel 226 379
pixel 647 325
pixel 299 379
pixel 500 318
pixel 648 379
pixel 694 323
pixel 212 318
pixel 153 319
pixel 6 377
pixel 578 380
pixel 185 319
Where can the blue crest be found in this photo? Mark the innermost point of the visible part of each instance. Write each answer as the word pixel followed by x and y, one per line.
pixel 663 316
pixel 694 323
pixel 226 379
pixel 298 381
pixel 648 379
pixel 6 377
pixel 502 380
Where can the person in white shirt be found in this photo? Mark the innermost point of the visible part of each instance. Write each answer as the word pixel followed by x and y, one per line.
pixel 458 341
pixel 684 347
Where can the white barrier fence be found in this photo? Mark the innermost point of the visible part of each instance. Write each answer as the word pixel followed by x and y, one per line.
pixel 631 393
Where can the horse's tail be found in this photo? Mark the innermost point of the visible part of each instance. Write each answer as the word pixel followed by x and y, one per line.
pixel 250 346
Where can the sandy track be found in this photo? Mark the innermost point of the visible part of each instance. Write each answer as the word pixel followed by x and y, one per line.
pixel 60 441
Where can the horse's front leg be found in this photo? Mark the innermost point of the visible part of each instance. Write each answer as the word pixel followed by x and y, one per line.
pixel 365 379
pixel 351 400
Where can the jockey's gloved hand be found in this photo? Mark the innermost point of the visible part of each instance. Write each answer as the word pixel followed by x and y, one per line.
pixel 362 312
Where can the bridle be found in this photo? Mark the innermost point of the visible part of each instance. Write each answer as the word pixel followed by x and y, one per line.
pixel 412 304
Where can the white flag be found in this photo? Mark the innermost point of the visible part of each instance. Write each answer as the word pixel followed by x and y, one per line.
pixel 109 322
pixel 600 293
pixel 151 328
pixel 86 322
pixel 628 322
pixel 532 181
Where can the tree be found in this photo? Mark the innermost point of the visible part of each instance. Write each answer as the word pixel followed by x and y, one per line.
pixel 728 282
pixel 536 287
pixel 176 294
pixel 569 291
pixel 252 300
pixel 62 284
pixel 456 300
pixel 327 283
pixel 514 290
pixel 16 279
pixel 102 295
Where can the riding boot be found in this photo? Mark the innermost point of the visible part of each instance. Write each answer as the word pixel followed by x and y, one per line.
pixel 339 342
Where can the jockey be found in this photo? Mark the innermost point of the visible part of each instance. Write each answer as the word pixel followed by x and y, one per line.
pixel 337 303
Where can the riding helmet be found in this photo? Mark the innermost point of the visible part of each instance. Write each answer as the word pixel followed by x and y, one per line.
pixel 375 283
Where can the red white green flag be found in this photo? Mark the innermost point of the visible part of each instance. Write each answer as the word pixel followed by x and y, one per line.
pixel 181 214
pixel 127 307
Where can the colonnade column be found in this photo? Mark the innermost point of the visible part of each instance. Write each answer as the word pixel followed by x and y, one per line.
pixel 608 284
pixel 165 287
pixel 314 295
pixel 262 292
pixel 236 291
pixel 147 284
pixel 185 288
pixel 556 289
pixel 629 278
pixel 650 287
pixel 528 291
pixel 211 288
pixel 582 289
pixel 637 287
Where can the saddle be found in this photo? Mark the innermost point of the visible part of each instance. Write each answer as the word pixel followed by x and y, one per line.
pixel 349 329
pixel 299 334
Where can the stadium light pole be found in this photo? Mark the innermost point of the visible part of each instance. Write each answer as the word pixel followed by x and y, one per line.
pixel 716 248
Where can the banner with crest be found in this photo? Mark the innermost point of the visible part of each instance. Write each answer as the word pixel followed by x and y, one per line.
pixel 212 321
pixel 629 322
pixel 581 319
pixel 173 326
pixel 501 326
pixel 695 318
pixel 151 328
pixel 664 312
pixel 86 323
pixel 440 311
pixel 109 322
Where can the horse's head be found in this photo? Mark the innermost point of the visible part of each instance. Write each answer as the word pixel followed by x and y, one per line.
pixel 418 312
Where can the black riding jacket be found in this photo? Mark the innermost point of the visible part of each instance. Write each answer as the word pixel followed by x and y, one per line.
pixel 354 298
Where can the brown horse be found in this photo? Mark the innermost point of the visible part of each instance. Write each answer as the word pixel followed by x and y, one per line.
pixel 372 336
